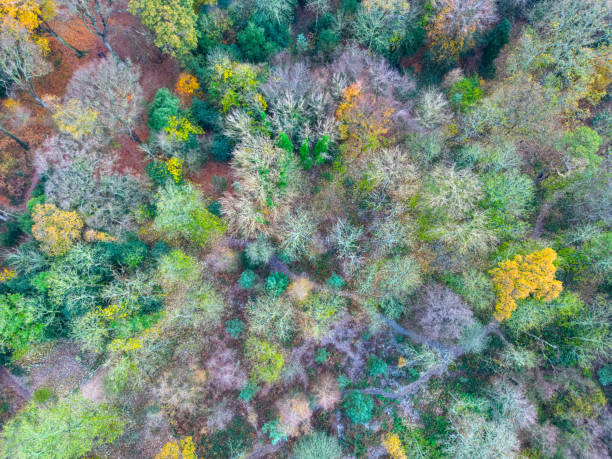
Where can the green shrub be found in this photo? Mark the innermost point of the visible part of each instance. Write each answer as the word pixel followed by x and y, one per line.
pixel 321 355
pixel 164 106
pixel 391 307
pixel 274 431
pixel 317 445
pixel 247 279
pixel 248 392
pixel 376 366
pixel 215 208
pixel 234 327
pixel 221 149
pixel 605 375
pixel 335 281
pixel 277 283
pixel 358 407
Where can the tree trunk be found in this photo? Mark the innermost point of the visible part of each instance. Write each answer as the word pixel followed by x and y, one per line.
pixel 79 53
pixel 21 143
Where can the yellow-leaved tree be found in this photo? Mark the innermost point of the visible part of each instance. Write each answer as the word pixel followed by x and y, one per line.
pixel 182 449
pixel 521 276
pixel 29 15
pixel 56 230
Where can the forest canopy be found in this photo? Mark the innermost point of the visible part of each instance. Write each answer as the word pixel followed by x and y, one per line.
pixel 305 229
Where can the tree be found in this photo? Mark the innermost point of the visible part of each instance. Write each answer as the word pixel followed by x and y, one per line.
pixel 173 22
pixel 319 7
pixel 164 106
pixel 452 28
pixel 68 428
pixel 21 323
pixel 178 449
pixel 95 15
pixel 317 445
pixel 9 113
pixel 182 215
pixel 109 88
pixel 269 179
pixel 55 229
pixel 279 11
pixel 33 15
pixel 266 360
pixel 517 278
pixel 21 61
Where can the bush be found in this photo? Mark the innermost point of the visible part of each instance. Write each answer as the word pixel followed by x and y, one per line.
pixel 247 279
pixel 317 445
pixel 222 147
pixel 605 375
pixel 277 283
pixel 358 407
pixel 164 106
pixel 205 115
pixel 376 366
pixel 234 327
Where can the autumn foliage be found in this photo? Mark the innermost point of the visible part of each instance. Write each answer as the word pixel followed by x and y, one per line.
pixel 521 276
pixel 28 15
pixel 55 229
pixel 393 445
pixel 182 449
pixel 187 85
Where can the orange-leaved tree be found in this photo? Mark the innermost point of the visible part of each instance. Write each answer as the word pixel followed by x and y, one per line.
pixel 517 278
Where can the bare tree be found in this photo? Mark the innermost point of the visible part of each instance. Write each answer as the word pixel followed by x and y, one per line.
pixel 21 61
pixel 95 14
pixel 111 89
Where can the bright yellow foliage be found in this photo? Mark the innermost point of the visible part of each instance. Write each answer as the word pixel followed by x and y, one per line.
pixel 521 276
pixel 113 312
pixel 175 168
pixel 7 274
pixel 55 230
pixel 27 14
pixel 401 362
pixel 187 85
pixel 182 449
pixel 393 445
pixel 179 128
